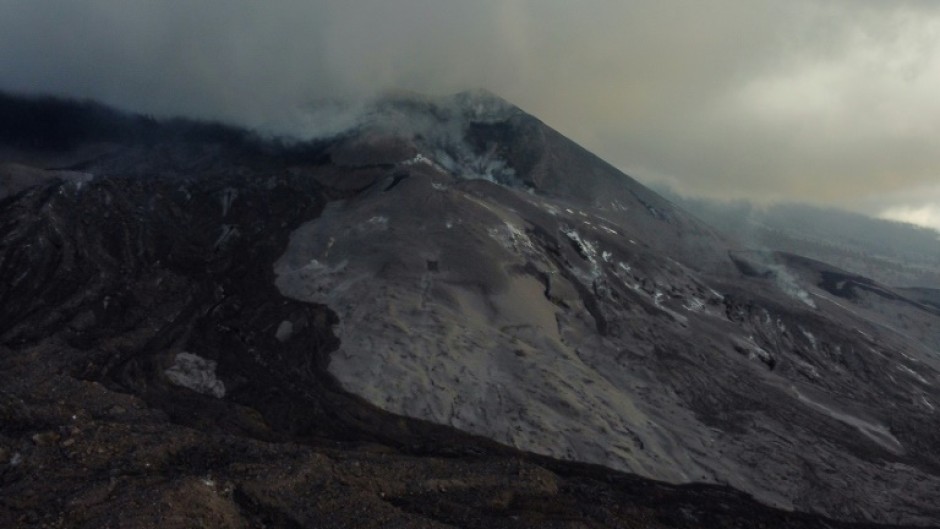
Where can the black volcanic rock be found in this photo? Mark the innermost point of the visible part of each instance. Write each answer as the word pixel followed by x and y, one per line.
pixel 210 329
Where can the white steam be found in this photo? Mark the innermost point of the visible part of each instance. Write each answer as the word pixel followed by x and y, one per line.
pixel 788 283
pixel 927 215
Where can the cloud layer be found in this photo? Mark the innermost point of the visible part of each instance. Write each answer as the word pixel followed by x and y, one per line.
pixel 831 101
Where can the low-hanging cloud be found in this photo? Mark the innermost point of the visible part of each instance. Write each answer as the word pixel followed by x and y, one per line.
pixel 826 100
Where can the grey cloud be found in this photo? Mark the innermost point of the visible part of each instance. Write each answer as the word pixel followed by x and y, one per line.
pixel 826 100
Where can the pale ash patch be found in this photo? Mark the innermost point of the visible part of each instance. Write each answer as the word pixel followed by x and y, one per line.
pixel 808 369
pixel 512 238
pixel 550 209
pixel 377 223
pixel 589 250
pixel 923 398
pixel 197 374
pixel 419 158
pixel 809 336
pixel 904 369
pixel 876 432
pixel 756 351
pixel 284 331
pixel 624 272
pixel 658 297
pixel 694 304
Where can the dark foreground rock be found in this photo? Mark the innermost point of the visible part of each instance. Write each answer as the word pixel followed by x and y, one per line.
pixel 76 452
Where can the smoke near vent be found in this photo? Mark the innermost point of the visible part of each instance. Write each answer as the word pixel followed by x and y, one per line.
pixel 824 101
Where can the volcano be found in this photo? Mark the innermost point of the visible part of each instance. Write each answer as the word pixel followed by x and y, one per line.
pixel 447 315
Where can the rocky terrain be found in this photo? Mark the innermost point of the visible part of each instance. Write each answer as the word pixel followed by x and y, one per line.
pixel 450 315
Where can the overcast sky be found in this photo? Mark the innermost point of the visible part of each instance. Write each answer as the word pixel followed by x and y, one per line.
pixel 826 101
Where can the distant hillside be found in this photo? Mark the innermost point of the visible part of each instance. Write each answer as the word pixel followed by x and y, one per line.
pixel 891 252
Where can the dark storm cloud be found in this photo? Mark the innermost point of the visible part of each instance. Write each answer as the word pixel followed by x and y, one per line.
pixel 824 100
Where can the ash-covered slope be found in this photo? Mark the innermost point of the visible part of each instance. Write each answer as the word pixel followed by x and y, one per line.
pixel 270 308
pixel 569 311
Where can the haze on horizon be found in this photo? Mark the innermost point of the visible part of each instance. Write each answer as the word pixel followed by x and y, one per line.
pixel 831 102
